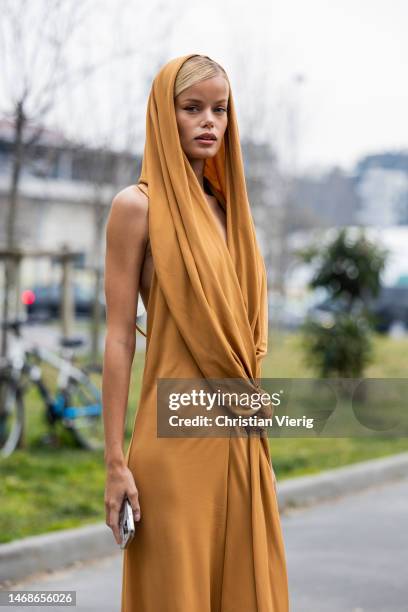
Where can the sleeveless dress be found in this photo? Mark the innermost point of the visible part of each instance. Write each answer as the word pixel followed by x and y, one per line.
pixel 209 538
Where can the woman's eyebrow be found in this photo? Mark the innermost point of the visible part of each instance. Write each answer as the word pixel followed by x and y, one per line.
pixel 197 100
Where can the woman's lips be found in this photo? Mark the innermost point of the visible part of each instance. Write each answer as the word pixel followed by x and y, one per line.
pixel 205 141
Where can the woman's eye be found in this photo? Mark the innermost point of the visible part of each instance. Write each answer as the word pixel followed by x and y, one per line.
pixel 193 108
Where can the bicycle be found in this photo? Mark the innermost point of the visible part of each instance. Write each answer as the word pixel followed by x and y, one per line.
pixel 76 404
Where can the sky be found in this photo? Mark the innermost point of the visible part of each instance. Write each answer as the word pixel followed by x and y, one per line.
pixel 352 56
pixel 323 82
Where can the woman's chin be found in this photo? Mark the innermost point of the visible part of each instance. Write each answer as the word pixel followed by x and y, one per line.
pixel 201 154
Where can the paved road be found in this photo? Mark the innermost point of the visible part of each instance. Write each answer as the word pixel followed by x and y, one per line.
pixel 346 555
pixel 350 555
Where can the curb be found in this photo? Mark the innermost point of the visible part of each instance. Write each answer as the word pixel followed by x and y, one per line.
pixel 330 484
pixel 52 551
pixel 28 556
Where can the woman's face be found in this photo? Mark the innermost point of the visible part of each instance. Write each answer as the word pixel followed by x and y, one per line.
pixel 202 109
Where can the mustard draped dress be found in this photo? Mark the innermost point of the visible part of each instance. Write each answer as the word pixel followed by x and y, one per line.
pixel 210 537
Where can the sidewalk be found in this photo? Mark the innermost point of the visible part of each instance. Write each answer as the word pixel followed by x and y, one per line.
pixel 61 549
pixel 338 558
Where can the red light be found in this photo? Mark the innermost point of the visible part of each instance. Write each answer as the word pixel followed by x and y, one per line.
pixel 28 297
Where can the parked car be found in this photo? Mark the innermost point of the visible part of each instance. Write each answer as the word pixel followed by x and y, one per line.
pixel 389 308
pixel 44 301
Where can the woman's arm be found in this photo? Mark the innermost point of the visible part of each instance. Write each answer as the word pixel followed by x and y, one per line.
pixel 126 236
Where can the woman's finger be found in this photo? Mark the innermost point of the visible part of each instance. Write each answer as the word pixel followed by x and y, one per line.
pixel 134 502
pixel 112 520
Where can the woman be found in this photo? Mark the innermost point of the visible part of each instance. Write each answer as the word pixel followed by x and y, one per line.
pixel 208 534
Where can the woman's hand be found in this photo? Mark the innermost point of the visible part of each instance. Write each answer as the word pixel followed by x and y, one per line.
pixel 119 483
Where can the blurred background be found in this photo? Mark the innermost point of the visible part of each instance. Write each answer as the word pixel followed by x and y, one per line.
pixel 322 98
pixel 321 103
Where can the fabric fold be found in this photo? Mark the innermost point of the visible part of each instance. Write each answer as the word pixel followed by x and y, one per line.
pixel 218 299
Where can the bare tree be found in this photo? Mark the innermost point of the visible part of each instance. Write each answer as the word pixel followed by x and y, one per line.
pixel 35 44
pixel 32 38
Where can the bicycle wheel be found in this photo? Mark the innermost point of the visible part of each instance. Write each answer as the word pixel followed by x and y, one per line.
pixel 11 416
pixel 82 411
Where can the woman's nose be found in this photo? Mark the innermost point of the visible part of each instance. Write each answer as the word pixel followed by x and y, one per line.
pixel 208 121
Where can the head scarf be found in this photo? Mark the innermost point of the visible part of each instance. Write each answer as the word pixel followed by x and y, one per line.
pixel 215 292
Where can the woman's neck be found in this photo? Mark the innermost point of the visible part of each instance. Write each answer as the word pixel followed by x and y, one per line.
pixel 198 167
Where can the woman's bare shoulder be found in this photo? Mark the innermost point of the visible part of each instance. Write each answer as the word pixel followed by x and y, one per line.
pixel 131 198
pixel 129 211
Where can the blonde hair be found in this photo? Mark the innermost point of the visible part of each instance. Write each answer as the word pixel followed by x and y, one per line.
pixel 195 69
